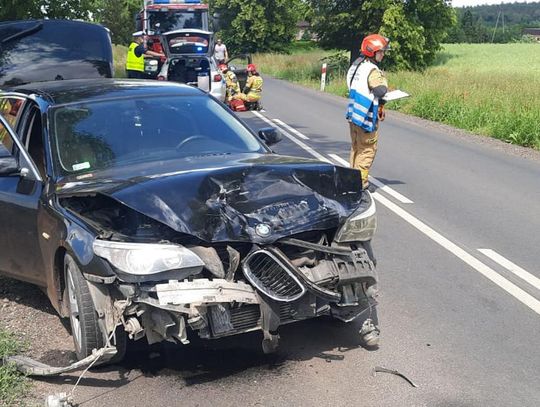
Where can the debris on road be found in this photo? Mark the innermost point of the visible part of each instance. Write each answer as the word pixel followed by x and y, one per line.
pixel 394 372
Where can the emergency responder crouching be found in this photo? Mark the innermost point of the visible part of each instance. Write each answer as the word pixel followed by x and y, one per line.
pixel 232 86
pixel 254 86
pixel 137 51
pixel 367 86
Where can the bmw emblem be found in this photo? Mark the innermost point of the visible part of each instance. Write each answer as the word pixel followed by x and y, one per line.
pixel 263 229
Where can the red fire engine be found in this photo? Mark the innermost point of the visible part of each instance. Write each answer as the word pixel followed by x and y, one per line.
pixel 160 16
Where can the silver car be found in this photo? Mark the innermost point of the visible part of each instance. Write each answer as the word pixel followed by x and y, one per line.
pixel 189 60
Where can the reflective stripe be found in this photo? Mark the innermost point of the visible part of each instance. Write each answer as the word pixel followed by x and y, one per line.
pixel 363 106
pixel 134 63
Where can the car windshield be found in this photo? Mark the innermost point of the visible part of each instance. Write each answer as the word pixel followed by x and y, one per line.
pixel 120 132
pixel 163 21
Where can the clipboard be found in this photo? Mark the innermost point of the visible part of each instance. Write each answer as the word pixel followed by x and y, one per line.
pixel 395 95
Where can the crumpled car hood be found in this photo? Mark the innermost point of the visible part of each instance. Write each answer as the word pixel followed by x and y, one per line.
pixel 219 200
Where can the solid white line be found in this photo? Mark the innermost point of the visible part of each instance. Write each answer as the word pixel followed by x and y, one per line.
pixel 514 268
pixel 375 181
pixel 294 139
pixel 291 129
pixel 483 269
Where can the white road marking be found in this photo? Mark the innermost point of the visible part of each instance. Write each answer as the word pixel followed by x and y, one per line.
pixel 294 139
pixel 514 268
pixel 476 264
pixel 291 129
pixel 375 181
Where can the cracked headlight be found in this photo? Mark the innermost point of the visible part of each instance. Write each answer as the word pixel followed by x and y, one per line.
pixel 362 224
pixel 143 259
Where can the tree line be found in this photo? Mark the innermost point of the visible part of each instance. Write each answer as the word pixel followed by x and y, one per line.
pixel 417 28
pixel 496 23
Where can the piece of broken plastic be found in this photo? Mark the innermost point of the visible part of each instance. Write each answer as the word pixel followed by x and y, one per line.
pixel 32 367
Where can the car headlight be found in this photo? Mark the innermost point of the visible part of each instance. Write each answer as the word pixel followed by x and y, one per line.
pixel 146 258
pixel 362 224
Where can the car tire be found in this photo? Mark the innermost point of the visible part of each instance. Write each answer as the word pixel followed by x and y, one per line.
pixel 83 317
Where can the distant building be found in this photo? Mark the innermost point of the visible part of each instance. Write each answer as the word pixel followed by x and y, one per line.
pixel 303 30
pixel 533 32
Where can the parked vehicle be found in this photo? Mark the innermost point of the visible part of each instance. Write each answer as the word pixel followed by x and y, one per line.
pixel 39 50
pixel 190 61
pixel 161 16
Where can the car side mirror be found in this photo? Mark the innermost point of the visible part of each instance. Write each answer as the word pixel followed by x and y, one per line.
pixel 9 165
pixel 270 135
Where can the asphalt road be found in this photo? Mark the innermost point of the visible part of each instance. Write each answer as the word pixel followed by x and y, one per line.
pixel 462 323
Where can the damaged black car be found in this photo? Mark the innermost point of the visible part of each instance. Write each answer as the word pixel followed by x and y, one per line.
pixel 148 210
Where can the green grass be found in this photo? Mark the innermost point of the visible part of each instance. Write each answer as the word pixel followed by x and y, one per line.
pixel 12 383
pixel 119 58
pixel 489 89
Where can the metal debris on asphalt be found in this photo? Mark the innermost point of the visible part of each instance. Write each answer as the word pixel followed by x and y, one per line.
pixel 394 372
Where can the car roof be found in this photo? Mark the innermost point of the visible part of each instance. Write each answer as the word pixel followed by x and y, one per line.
pixel 79 90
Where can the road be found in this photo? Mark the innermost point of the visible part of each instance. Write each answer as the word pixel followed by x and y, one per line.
pixel 457 248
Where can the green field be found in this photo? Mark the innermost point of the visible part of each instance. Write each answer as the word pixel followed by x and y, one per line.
pixel 489 89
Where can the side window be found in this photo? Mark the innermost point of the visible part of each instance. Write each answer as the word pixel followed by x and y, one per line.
pixel 6 142
pixel 34 141
pixel 10 109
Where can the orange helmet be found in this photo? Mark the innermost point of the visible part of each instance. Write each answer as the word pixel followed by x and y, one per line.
pixel 373 43
pixel 251 68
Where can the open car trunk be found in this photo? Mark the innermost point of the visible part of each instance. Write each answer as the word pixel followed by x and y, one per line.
pixel 189 52
pixel 191 70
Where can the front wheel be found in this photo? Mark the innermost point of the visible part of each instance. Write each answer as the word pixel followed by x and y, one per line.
pixel 83 317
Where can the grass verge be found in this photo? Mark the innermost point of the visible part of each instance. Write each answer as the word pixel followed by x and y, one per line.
pixel 12 383
pixel 488 89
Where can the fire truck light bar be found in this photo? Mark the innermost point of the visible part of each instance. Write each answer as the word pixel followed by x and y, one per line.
pixel 174 2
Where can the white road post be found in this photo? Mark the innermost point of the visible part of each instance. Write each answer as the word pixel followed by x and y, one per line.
pixel 323 77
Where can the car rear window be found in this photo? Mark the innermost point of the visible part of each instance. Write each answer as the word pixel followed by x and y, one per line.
pixel 28 45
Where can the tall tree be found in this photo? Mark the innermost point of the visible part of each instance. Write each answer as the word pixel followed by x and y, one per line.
pixel 263 25
pixel 119 17
pixel 19 10
pixel 415 27
pixel 25 9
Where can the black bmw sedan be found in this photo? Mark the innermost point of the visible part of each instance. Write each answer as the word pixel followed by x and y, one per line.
pixel 147 210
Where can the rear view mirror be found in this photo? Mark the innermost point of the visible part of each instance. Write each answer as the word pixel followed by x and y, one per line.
pixel 9 165
pixel 270 135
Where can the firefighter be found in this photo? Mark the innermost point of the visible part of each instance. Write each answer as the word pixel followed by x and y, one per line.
pixel 233 91
pixel 135 56
pixel 254 85
pixel 367 86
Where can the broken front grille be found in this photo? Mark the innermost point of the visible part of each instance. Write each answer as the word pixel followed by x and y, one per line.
pixel 272 277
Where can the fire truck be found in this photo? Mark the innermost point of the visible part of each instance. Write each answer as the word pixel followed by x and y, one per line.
pixel 161 16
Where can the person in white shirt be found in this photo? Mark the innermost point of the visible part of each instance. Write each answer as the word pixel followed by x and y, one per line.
pixel 220 52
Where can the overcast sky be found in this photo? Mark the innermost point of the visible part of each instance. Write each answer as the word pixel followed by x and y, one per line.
pixel 462 3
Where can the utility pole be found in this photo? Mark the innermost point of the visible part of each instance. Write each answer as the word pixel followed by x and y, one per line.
pixel 496 24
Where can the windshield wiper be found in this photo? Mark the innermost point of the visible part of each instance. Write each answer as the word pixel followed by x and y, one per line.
pixel 22 34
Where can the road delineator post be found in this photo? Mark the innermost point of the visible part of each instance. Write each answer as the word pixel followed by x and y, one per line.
pixel 323 77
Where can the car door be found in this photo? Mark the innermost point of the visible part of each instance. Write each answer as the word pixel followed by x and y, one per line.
pixel 238 64
pixel 20 191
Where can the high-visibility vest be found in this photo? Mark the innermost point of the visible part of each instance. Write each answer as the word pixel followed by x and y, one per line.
pixel 363 107
pixel 133 62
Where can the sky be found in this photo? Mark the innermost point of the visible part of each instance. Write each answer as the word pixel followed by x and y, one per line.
pixel 463 3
